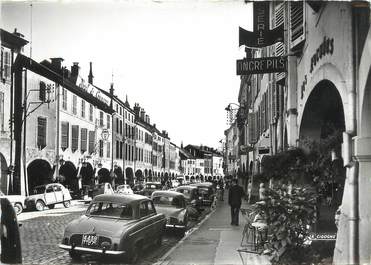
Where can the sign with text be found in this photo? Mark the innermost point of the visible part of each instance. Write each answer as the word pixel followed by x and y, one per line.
pixel 262 65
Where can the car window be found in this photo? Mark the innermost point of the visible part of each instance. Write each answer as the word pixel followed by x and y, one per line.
pixel 109 209
pixel 57 188
pixel 49 189
pixel 143 209
pixel 167 201
pixel 39 190
pixel 151 208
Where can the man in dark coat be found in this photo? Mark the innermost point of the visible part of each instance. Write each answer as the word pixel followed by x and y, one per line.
pixel 234 200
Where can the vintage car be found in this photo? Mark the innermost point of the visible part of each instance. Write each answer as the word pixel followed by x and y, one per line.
pixel 124 189
pixel 138 189
pixel 16 200
pixel 193 198
pixel 207 192
pixel 102 188
pixel 151 187
pixel 174 206
pixel 10 243
pixel 115 225
pixel 48 195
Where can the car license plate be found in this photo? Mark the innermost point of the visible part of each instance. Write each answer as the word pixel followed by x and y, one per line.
pixel 89 240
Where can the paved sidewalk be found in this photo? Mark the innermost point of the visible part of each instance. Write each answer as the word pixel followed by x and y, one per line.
pixel 214 242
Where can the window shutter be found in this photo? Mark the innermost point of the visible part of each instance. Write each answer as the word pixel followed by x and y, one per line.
pixel 101 148
pixel 273 100
pixel 64 135
pixel 108 121
pixel 7 65
pixel 297 23
pixel 74 104
pixel 91 142
pixel 263 112
pixel 41 132
pixel 279 19
pixel 42 91
pixel 252 127
pixel 75 138
pixel 108 149
pixel 84 140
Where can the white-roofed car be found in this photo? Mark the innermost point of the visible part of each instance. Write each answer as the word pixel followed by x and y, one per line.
pixel 124 189
pixel 174 206
pixel 16 200
pixel 48 195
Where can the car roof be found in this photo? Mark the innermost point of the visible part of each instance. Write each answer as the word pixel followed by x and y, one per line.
pixel 127 199
pixel 167 193
pixel 153 183
pixel 187 187
pixel 202 184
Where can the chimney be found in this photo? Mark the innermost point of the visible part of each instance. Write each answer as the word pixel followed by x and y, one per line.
pixel 137 109
pixel 181 145
pixel 18 34
pixel 142 114
pixel 147 118
pixel 111 90
pixel 57 63
pixel 74 72
pixel 90 76
pixel 154 125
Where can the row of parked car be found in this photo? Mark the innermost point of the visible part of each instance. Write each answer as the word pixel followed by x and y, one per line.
pixel 128 221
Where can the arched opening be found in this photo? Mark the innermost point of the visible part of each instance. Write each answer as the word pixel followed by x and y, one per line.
pixel 67 175
pixel 119 176
pixel 139 175
pixel 87 174
pixel 187 178
pixel 39 172
pixel 3 174
pixel 129 176
pixel 321 128
pixel 145 173
pixel 104 175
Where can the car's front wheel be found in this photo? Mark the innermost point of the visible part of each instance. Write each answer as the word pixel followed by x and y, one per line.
pixel 18 208
pixel 40 205
pixel 74 255
pixel 67 204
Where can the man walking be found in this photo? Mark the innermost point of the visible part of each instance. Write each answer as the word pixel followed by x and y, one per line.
pixel 234 200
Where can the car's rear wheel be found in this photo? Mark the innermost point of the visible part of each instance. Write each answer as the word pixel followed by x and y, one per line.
pixel 74 255
pixel 51 206
pixel 18 208
pixel 40 205
pixel 134 255
pixel 67 204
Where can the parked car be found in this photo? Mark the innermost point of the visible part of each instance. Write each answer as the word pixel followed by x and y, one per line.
pixel 10 243
pixel 174 206
pixel 138 189
pixel 193 198
pixel 115 225
pixel 151 187
pixel 124 189
pixel 16 200
pixel 102 188
pixel 207 192
pixel 48 195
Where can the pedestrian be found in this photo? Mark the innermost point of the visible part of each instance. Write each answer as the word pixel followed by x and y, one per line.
pixel 249 190
pixel 234 200
pixel 221 189
pixel 262 192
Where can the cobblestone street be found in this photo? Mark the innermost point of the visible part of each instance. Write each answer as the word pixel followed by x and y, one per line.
pixel 41 232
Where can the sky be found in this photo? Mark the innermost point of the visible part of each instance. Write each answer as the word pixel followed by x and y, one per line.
pixel 177 59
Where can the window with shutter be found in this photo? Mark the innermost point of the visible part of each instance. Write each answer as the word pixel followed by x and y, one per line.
pixel 279 18
pixel 75 138
pixel 252 127
pixel 108 149
pixel 74 104
pixel 101 124
pixel 121 149
pixel 42 91
pixel 262 103
pixel 41 132
pixel 297 23
pixel 84 140
pixel 82 108
pixel 6 66
pixel 273 100
pixel 108 121
pixel 64 135
pixel 120 126
pixel 101 148
pixel 91 142
pixel 64 99
pixel 2 63
pixel 90 112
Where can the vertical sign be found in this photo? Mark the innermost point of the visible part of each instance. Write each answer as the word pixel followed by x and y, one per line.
pixel 261 21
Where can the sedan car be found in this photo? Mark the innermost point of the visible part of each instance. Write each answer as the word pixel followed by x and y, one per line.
pixel 10 243
pixel 138 189
pixel 173 205
pixel 193 198
pixel 124 189
pixel 102 188
pixel 16 200
pixel 207 193
pixel 48 195
pixel 151 187
pixel 115 225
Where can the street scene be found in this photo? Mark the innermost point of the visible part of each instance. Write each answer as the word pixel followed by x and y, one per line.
pixel 185 132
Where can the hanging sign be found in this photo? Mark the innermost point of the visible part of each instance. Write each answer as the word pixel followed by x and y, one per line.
pixel 262 36
pixel 262 65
